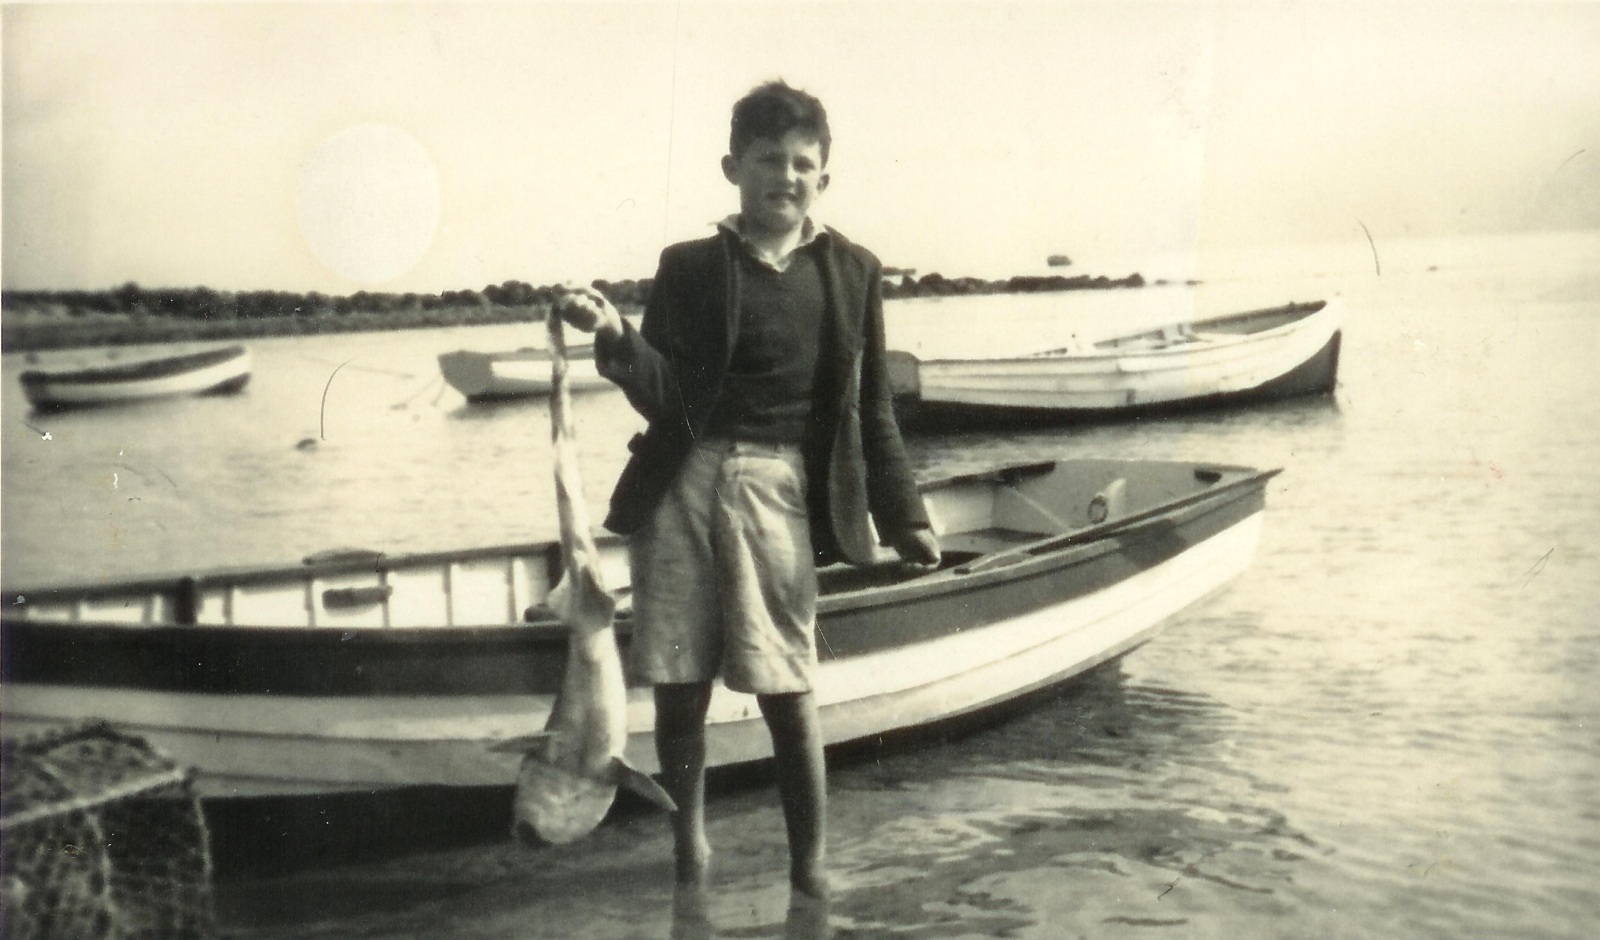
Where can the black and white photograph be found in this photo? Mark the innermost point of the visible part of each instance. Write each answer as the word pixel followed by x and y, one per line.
pixel 632 469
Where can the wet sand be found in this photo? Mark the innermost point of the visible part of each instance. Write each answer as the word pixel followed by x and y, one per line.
pixel 917 827
pixel 615 883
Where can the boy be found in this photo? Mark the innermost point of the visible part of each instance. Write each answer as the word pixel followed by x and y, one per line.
pixel 759 367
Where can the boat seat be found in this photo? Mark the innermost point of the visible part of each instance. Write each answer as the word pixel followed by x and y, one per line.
pixel 956 549
pixel 1179 334
pixel 983 541
pixel 843 578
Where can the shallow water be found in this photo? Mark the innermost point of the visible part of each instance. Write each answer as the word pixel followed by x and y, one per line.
pixel 1386 728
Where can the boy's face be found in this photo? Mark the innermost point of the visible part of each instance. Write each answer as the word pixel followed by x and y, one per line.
pixel 778 179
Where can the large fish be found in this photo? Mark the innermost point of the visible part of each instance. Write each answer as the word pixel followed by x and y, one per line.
pixel 570 771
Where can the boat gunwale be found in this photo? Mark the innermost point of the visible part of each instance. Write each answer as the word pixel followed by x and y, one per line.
pixel 355 561
pixel 358 562
pixel 1093 354
pixel 1048 552
pixel 148 368
pixel 524 354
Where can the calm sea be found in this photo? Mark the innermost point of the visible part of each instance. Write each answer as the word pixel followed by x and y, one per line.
pixel 1387 728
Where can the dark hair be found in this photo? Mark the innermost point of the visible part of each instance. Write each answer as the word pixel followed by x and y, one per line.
pixel 773 110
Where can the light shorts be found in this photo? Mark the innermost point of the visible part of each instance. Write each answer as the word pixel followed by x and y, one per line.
pixel 724 581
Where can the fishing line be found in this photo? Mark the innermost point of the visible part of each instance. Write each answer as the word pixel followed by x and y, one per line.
pixel 1375 265
pixel 372 369
pixel 322 414
pixel 403 403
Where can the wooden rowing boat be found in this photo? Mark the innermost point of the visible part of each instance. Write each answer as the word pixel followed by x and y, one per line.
pixel 360 672
pixel 207 372
pixel 522 373
pixel 1259 355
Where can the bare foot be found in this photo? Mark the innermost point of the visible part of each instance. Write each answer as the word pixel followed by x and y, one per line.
pixel 809 879
pixel 807 918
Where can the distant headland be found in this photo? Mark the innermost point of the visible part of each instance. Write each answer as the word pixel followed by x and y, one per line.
pixel 44 319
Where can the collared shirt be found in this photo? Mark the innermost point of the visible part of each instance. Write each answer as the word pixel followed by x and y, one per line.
pixel 809 232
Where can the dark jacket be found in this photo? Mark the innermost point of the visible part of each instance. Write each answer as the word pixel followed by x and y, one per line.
pixel 672 367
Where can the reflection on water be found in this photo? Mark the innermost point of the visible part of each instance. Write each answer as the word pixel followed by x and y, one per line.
pixel 1116 803
pixel 806 919
pixel 1231 435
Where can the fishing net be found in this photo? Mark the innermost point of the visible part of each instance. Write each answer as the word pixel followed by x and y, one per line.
pixel 101 836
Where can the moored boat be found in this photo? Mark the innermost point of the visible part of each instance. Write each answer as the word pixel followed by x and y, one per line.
pixel 359 672
pixel 1259 355
pixel 521 373
pixel 206 372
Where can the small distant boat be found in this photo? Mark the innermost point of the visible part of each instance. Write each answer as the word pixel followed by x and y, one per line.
pixel 358 672
pixel 1259 355
pixel 522 373
pixel 208 372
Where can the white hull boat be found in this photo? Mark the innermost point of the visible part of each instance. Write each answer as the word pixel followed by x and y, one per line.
pixel 360 673
pixel 209 372
pixel 1260 355
pixel 523 373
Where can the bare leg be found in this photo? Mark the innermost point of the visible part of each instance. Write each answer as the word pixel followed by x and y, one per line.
pixel 681 750
pixel 691 918
pixel 796 732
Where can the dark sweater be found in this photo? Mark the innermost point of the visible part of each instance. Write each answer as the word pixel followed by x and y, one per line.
pixel 767 392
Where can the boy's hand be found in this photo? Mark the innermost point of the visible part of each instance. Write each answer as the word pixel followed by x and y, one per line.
pixel 917 547
pixel 586 309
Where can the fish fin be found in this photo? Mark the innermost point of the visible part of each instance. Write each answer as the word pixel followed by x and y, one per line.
pixel 643 784
pixel 521 744
pixel 557 707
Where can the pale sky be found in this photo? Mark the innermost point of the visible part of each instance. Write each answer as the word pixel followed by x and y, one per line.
pixel 429 147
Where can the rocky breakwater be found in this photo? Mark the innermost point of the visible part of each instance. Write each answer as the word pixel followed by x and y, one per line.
pixel 933 284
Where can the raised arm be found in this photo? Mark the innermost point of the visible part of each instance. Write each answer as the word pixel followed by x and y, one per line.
pixel 630 358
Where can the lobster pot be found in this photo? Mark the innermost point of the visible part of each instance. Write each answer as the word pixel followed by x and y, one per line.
pixel 102 837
